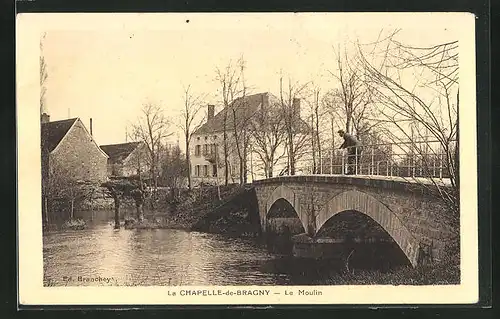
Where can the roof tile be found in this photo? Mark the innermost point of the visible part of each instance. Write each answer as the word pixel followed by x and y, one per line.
pixel 53 132
pixel 118 152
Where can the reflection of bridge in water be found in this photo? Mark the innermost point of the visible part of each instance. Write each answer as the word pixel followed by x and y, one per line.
pixel 409 210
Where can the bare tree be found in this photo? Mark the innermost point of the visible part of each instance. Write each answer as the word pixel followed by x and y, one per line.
pixel 43 76
pixel 317 111
pixel 425 107
pixel 232 87
pixel 268 134
pixel 354 103
pixel 64 188
pixel 190 122
pixel 174 168
pixel 242 114
pixel 152 128
pixel 332 103
pixel 43 89
pixel 296 130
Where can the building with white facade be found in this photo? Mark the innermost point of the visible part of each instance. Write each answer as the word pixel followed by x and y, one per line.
pixel 243 119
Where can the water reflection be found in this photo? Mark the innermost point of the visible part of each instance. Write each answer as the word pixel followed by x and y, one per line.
pixel 173 257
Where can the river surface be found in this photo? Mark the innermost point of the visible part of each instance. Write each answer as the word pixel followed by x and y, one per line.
pixel 101 255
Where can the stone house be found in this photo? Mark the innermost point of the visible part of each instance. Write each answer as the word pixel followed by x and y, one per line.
pixel 69 155
pixel 126 159
pixel 207 155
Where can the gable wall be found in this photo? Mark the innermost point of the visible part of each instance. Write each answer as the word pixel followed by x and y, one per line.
pixel 78 156
pixel 138 159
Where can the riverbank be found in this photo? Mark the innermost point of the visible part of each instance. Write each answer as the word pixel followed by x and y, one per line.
pixel 201 209
pixel 186 210
pixel 442 273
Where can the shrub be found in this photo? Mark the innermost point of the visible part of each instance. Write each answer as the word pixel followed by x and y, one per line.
pixel 74 224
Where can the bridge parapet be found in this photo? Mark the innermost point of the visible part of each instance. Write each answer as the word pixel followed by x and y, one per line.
pixel 425 186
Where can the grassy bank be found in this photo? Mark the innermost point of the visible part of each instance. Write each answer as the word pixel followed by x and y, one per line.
pixel 442 273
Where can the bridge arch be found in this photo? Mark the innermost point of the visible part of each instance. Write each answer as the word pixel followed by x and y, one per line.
pixel 373 208
pixel 286 193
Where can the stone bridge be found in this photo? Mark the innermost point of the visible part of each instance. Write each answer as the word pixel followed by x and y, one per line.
pixel 412 213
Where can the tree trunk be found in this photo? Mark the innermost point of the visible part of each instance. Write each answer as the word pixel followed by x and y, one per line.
pixel 241 172
pixel 117 211
pixel 153 179
pixel 457 151
pixel 139 211
pixel 318 145
pixel 270 167
pixel 188 162
pixel 226 163
pixel 46 207
pixel 313 146
pixel 217 165
pixel 333 134
pixel 245 164
pixel 251 164
pixel 292 161
pixel 72 209
pixel 291 153
pixel 348 123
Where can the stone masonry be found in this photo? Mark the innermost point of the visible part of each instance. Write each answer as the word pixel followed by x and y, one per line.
pixel 413 215
pixel 79 156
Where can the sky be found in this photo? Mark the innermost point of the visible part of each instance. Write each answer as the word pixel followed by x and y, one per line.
pixel 107 74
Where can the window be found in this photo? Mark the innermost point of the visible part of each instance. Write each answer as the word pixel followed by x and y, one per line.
pixel 205 149
pixel 197 150
pixel 213 148
pixel 214 170
pixel 197 170
pixel 205 170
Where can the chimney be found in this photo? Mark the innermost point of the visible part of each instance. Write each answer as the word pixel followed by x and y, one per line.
pixel 265 100
pixel 296 107
pixel 44 118
pixel 211 112
pixel 91 127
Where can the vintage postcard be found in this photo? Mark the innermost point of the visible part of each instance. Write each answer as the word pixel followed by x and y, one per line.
pixel 247 159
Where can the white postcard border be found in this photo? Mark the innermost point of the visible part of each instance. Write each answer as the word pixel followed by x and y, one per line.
pixel 31 290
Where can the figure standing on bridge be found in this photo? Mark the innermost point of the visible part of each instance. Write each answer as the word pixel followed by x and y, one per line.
pixel 353 146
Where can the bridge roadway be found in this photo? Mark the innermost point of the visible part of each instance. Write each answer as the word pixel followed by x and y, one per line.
pixel 410 210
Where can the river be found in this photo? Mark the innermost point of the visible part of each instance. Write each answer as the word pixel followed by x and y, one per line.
pixel 101 255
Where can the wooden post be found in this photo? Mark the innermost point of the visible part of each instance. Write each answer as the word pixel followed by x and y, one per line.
pixel 46 206
pixel 117 210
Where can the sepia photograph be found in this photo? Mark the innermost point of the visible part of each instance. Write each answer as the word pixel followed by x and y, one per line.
pixel 266 156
